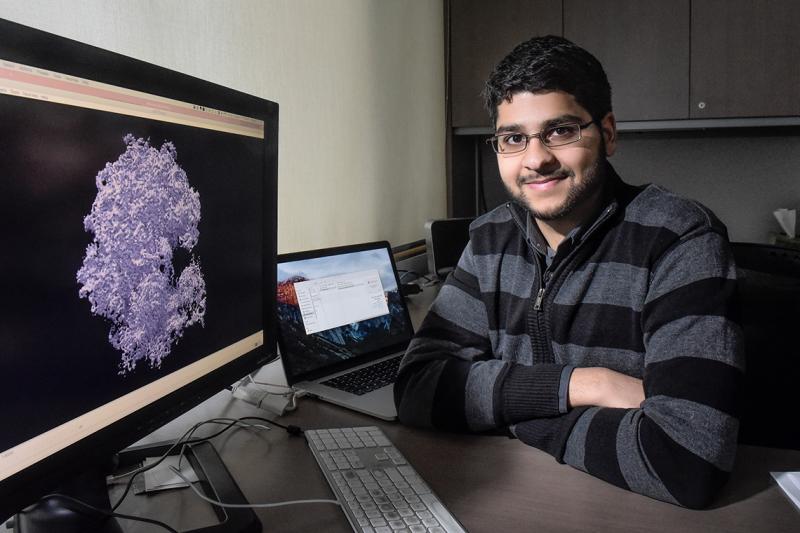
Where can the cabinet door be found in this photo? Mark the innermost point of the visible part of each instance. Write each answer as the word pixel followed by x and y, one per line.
pixel 745 58
pixel 481 34
pixel 644 48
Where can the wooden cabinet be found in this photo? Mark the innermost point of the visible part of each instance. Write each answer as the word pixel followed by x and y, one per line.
pixel 481 34
pixel 665 59
pixel 745 58
pixel 644 48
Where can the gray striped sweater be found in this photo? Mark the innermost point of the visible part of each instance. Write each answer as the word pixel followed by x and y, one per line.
pixel 646 290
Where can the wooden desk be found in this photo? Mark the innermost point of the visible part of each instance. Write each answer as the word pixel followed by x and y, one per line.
pixel 489 483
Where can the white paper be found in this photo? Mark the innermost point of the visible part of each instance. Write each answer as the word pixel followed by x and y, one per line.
pixel 790 483
pixel 787 218
pixel 162 478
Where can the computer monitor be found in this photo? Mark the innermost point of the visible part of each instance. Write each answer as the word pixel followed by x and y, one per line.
pixel 137 274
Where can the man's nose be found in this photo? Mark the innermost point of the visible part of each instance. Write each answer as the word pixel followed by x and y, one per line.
pixel 538 158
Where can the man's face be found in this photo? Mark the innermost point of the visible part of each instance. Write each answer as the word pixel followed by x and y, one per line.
pixel 559 183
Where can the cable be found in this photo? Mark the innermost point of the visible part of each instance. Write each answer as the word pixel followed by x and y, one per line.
pixel 291 429
pixel 186 439
pixel 290 390
pixel 116 477
pixel 257 398
pixel 416 274
pixel 166 454
pixel 104 513
pixel 183 440
pixel 245 505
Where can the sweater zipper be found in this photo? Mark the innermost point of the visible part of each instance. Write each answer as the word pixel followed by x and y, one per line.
pixel 537 319
pixel 537 325
pixel 538 303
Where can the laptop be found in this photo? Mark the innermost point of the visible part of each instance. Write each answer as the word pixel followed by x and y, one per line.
pixel 343 325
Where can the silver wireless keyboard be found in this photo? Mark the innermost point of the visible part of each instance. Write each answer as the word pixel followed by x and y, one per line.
pixel 378 490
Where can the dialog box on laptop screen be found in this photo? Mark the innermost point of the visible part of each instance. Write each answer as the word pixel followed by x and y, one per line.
pixel 334 301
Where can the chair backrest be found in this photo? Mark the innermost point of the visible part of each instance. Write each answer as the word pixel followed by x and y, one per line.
pixel 445 239
pixel 768 290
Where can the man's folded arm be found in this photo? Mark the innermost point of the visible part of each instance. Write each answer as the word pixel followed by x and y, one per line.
pixel 450 378
pixel 679 446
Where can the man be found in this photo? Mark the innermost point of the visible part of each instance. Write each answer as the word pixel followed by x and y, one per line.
pixel 589 318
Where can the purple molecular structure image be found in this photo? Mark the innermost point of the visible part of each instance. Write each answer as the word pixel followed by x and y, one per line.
pixel 144 210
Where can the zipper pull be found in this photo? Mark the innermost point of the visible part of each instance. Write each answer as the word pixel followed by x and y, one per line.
pixel 537 305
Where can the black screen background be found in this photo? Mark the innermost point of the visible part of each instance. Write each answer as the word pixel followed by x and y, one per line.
pixel 55 357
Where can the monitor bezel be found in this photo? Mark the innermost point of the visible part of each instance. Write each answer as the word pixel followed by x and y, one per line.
pixel 33 47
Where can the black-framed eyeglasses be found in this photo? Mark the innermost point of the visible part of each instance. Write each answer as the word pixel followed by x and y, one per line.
pixel 556 135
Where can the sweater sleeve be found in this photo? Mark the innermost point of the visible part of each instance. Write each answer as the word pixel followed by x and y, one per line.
pixel 679 446
pixel 450 377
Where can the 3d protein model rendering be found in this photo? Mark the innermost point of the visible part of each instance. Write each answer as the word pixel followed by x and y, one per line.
pixel 144 211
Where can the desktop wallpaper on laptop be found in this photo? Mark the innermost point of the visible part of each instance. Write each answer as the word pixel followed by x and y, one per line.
pixel 309 352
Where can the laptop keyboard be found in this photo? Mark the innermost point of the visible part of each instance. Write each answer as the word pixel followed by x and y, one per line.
pixel 377 488
pixel 367 379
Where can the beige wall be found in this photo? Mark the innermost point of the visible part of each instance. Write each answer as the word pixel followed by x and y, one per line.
pixel 360 85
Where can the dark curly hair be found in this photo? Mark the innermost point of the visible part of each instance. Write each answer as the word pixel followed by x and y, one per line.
pixel 545 64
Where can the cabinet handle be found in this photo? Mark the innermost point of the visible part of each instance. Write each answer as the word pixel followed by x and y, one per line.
pixel 701 105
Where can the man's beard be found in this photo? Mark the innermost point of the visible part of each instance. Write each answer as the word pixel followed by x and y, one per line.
pixel 578 193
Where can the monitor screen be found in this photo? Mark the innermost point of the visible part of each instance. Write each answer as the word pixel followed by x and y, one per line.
pixel 336 306
pixel 138 226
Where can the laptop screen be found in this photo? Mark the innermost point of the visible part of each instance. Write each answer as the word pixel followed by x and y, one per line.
pixel 338 308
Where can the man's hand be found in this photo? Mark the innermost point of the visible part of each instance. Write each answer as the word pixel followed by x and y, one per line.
pixel 604 388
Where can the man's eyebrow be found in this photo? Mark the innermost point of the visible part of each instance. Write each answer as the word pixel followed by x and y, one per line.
pixel 509 128
pixel 561 119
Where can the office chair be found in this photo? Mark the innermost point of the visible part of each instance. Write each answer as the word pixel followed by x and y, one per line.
pixel 768 291
pixel 445 240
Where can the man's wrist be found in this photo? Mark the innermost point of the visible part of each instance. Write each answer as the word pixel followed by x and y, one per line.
pixel 584 387
pixel 599 386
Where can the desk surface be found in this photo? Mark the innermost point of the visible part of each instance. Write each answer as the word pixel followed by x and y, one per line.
pixel 489 483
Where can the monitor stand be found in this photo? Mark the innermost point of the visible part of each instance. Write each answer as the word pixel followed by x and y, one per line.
pixel 215 481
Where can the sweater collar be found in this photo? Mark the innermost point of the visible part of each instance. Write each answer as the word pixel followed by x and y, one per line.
pixel 616 193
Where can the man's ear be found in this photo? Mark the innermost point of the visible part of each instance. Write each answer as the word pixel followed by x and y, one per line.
pixel 608 126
